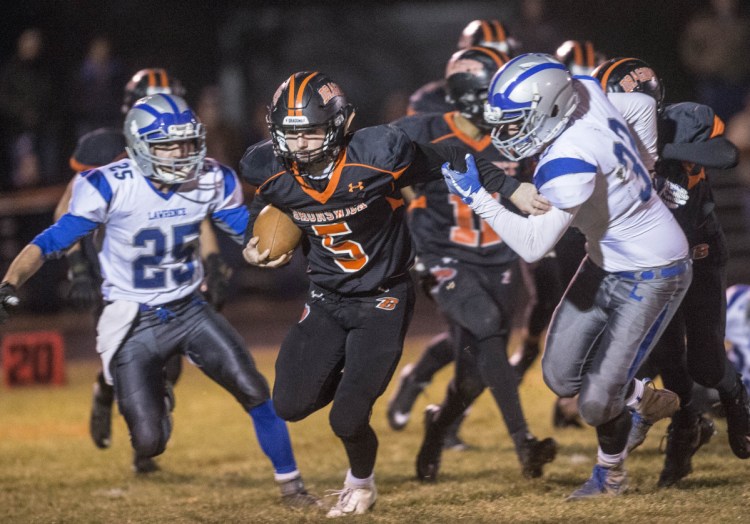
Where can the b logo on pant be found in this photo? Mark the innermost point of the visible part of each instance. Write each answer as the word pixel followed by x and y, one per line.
pixel 387 303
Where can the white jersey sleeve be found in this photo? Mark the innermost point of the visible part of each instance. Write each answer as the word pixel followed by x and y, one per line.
pixel 231 215
pixel 92 196
pixel 639 111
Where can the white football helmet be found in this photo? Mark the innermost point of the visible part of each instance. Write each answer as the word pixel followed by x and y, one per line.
pixel 530 101
pixel 160 119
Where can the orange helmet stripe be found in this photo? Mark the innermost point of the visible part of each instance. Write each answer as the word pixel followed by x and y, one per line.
pixel 609 70
pixel 718 127
pixel 290 100
pixel 577 53
pixel 499 57
pixel 501 37
pixel 590 54
pixel 301 92
pixel 486 31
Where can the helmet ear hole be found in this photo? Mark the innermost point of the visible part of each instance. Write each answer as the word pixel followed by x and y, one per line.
pixel 555 111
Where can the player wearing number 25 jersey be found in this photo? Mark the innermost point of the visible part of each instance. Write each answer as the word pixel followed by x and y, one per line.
pixel 151 207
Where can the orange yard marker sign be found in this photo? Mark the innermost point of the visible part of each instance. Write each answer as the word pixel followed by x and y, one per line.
pixel 33 358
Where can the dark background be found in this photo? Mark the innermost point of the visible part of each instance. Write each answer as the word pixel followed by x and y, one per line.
pixel 376 50
pixel 379 52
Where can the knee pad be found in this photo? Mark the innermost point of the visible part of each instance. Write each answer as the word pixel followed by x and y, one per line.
pixel 596 412
pixel 556 384
pixel 344 425
pixel 149 439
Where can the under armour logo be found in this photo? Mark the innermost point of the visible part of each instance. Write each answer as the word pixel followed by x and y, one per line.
pixel 387 303
pixel 359 185
pixel 313 294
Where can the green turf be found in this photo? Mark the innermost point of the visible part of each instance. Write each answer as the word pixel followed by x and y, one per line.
pixel 214 471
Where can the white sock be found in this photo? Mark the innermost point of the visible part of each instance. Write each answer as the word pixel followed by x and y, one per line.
pixel 609 461
pixel 634 400
pixel 285 477
pixel 353 482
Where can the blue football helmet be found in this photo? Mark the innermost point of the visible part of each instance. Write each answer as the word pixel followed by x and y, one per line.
pixel 530 101
pixel 161 119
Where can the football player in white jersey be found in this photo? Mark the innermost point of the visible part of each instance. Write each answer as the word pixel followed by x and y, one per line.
pixel 738 329
pixel 637 267
pixel 151 206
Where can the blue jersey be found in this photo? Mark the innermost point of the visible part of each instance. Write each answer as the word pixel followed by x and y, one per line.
pixel 150 250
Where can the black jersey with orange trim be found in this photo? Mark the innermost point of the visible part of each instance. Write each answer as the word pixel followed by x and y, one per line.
pixel 440 222
pixel 356 225
pixel 98 148
pixel 430 98
pixel 690 123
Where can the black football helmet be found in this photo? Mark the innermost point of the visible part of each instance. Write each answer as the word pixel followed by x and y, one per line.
pixel 628 75
pixel 579 56
pixel 488 33
pixel 150 81
pixel 468 76
pixel 309 100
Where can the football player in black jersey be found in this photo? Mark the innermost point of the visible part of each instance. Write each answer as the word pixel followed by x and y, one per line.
pixel 692 347
pixel 95 149
pixel 472 269
pixel 432 97
pixel 342 190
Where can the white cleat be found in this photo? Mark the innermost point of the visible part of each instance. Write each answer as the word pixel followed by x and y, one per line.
pixel 353 501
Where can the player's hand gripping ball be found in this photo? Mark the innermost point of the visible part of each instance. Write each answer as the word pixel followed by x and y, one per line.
pixel 276 232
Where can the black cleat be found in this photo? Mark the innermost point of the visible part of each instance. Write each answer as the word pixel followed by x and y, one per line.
pixel 738 423
pixel 682 443
pixel 452 441
pixel 100 422
pixel 144 465
pixel 565 413
pixel 400 405
pixel 428 458
pixel 533 454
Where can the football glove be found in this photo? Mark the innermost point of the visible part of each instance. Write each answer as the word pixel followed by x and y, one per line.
pixel 425 278
pixel 8 298
pixel 465 185
pixel 216 286
pixel 673 195
pixel 84 288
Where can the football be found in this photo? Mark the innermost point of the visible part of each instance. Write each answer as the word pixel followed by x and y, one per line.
pixel 276 232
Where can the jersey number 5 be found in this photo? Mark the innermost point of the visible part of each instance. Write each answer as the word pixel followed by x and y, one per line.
pixel 347 254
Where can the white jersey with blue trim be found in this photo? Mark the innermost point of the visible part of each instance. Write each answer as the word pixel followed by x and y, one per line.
pixel 738 329
pixel 151 250
pixel 595 164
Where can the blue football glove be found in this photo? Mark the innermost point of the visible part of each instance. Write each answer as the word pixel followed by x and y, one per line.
pixel 465 185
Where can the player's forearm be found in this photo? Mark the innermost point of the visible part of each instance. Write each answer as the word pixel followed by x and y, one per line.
pixel 23 267
pixel 717 153
pixel 209 244
pixel 530 237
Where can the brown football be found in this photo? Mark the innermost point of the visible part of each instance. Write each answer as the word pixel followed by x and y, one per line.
pixel 276 232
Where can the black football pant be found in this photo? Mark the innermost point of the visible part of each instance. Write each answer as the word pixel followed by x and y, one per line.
pixel 692 346
pixel 207 339
pixel 344 349
pixel 476 301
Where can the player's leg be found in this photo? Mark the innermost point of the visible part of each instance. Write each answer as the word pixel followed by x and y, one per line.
pixel 415 377
pixel 705 312
pixel 547 292
pixel 376 330
pixel 218 350
pixel 639 311
pixel 137 371
pixel 462 390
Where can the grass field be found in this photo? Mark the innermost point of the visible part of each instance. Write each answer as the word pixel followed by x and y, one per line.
pixel 214 471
